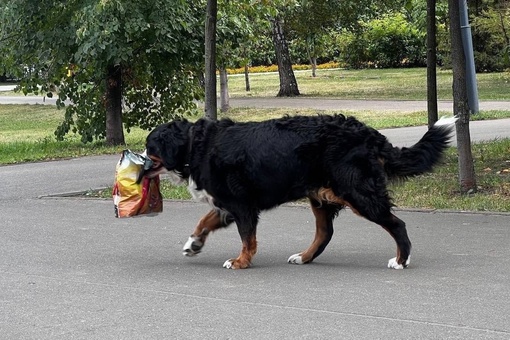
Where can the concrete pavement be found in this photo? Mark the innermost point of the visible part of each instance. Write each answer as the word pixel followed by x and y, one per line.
pixel 307 102
pixel 70 270
pixel 299 102
pixel 348 104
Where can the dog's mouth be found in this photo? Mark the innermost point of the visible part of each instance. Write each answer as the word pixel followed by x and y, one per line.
pixel 157 167
pixel 153 167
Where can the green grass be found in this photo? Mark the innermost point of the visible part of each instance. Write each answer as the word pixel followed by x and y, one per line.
pixel 376 119
pixel 27 122
pixel 403 84
pixel 27 134
pixel 492 166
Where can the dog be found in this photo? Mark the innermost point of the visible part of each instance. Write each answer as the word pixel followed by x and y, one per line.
pixel 242 169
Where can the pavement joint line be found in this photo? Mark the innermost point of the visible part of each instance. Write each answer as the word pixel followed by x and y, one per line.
pixel 267 305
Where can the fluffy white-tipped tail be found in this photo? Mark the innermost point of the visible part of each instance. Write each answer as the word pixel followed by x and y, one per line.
pixel 446 121
pixel 422 156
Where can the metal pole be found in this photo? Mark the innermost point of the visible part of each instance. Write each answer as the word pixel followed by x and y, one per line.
pixel 467 42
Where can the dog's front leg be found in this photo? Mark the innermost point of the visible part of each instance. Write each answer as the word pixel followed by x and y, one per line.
pixel 247 252
pixel 212 221
pixel 247 227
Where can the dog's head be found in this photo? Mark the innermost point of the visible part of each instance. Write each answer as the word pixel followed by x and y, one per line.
pixel 168 146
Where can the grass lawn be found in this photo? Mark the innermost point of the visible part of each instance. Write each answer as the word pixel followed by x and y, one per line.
pixel 402 84
pixel 27 134
pixel 440 189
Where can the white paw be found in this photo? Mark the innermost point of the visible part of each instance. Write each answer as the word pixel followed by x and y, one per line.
pixel 192 247
pixel 228 264
pixel 393 264
pixel 295 259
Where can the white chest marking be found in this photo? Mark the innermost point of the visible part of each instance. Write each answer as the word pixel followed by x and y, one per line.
pixel 199 195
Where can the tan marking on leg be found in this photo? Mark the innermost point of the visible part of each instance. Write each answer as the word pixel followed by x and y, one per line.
pixel 209 222
pixel 327 195
pixel 247 252
pixel 320 234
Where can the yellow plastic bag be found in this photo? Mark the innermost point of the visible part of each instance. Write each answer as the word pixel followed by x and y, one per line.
pixel 132 196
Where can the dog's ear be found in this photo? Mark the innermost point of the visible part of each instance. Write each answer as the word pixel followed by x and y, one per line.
pixel 169 142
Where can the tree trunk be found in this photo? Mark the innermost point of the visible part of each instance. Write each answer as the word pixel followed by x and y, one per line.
pixel 114 128
pixel 431 63
pixel 211 105
pixel 467 177
pixel 224 98
pixel 247 77
pixel 310 51
pixel 313 62
pixel 288 83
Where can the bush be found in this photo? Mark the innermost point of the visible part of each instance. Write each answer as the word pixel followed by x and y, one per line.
pixel 387 42
pixel 490 39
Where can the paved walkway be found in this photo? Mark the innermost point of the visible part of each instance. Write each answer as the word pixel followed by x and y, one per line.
pixel 300 102
pixel 307 102
pixel 70 270
pixel 346 104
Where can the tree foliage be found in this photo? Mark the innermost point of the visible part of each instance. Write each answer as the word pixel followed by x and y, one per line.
pixel 390 41
pixel 156 45
pixel 492 38
pixel 312 22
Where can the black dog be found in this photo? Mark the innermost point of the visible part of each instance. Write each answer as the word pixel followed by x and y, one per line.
pixel 244 168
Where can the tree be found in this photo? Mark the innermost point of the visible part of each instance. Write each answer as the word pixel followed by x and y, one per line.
pixel 210 60
pixel 311 21
pixel 237 27
pixel 288 83
pixel 467 177
pixel 431 63
pixel 233 35
pixel 129 62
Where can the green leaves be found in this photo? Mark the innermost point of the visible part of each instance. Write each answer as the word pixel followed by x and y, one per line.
pixel 157 43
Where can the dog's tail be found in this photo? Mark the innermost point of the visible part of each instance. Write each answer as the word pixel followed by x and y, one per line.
pixel 422 156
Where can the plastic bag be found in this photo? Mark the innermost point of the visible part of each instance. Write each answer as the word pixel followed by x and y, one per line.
pixel 132 196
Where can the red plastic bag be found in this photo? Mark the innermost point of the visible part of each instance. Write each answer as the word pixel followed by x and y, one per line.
pixel 129 197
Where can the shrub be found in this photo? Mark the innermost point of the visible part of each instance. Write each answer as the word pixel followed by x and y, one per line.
pixel 491 36
pixel 387 42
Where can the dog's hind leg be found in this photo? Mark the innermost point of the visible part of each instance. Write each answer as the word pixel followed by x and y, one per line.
pixel 379 212
pixel 213 220
pixel 247 227
pixel 397 229
pixel 324 214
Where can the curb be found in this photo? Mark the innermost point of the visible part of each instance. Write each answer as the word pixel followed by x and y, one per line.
pixel 82 196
